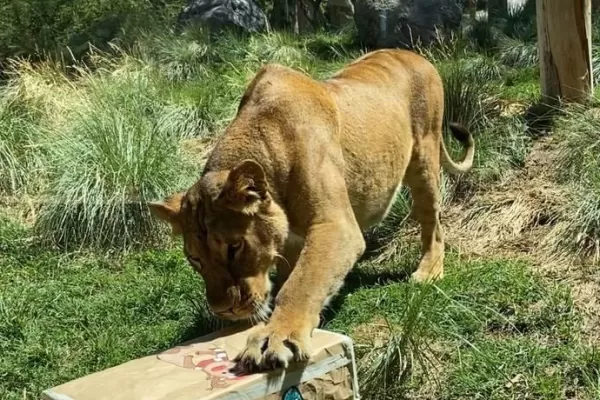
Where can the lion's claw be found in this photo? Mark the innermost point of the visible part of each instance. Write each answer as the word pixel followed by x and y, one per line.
pixel 271 348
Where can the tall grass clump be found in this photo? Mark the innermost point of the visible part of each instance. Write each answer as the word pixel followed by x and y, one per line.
pixel 579 169
pixel 518 54
pixel 472 99
pixel 119 150
pixel 20 153
pixel 179 57
pixel 469 94
pixel 204 73
pixel 446 47
pixel 596 63
pixel 280 47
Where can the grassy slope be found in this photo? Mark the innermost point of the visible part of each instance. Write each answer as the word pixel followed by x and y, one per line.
pixel 64 316
pixel 491 321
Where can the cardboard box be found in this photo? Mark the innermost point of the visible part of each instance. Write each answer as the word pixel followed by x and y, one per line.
pixel 199 370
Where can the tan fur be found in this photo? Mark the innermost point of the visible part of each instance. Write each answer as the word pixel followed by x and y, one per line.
pixel 304 167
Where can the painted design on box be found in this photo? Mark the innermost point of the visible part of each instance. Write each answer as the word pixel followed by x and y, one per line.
pixel 213 361
pixel 292 394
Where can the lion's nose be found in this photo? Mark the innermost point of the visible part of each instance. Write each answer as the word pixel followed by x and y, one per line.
pixel 222 302
pixel 222 307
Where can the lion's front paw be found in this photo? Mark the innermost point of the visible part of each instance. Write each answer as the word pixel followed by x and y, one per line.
pixel 273 346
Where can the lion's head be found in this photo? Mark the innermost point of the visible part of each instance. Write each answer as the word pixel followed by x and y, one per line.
pixel 232 232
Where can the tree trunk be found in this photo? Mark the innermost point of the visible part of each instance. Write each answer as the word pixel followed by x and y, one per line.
pixel 565 45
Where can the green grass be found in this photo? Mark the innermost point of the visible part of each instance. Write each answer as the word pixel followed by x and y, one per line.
pixel 522 85
pixel 64 316
pixel 487 323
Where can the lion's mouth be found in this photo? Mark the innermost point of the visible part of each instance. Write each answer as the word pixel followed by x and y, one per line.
pixel 254 311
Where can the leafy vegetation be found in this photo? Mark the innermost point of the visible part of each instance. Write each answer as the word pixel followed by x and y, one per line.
pixel 40 27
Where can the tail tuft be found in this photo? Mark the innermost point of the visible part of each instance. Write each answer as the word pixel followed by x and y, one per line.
pixel 461 133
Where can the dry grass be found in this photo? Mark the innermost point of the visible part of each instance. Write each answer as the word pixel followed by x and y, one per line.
pixel 527 215
pixel 513 215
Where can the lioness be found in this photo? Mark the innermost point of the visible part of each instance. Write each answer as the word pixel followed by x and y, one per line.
pixel 304 167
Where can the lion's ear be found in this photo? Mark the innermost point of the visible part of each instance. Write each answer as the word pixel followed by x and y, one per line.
pixel 169 210
pixel 246 187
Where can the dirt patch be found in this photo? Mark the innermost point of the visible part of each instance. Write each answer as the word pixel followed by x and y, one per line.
pixel 372 334
pixel 197 149
pixel 512 217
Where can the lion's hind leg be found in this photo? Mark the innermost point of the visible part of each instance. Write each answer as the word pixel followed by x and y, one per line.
pixel 423 179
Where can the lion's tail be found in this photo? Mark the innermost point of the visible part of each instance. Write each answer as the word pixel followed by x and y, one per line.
pixel 464 136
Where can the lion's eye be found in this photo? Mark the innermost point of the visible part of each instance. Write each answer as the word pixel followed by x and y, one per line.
pixel 232 249
pixel 195 262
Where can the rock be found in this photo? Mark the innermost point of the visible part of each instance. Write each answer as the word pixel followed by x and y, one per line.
pixel 403 23
pixel 242 15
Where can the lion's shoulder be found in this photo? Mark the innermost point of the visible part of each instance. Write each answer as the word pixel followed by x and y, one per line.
pixel 276 86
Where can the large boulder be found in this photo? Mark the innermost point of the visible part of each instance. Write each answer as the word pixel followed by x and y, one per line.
pixel 403 23
pixel 241 15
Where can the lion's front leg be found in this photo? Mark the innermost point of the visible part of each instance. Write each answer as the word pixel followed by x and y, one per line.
pixel 329 252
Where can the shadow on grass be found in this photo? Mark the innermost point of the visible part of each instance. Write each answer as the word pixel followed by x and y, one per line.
pixel 540 117
pixel 363 277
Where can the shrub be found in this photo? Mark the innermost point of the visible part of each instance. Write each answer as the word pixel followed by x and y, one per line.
pixel 120 149
pixel 42 27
